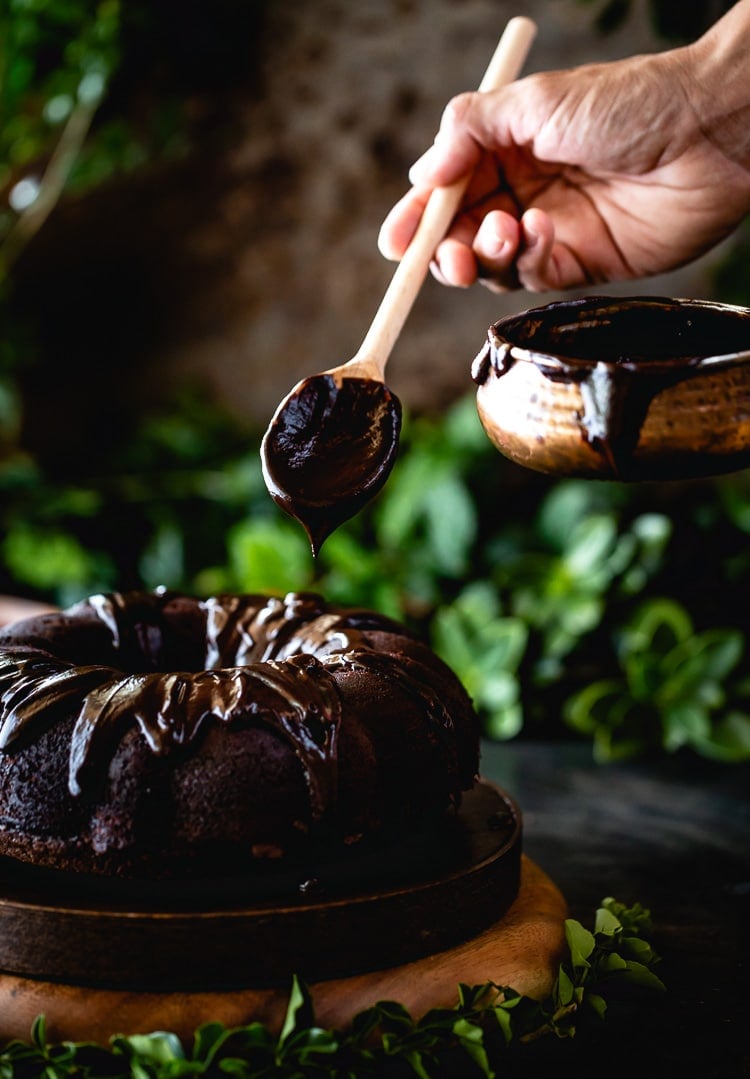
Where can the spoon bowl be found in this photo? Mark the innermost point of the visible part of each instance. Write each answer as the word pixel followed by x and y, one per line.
pixel 330 448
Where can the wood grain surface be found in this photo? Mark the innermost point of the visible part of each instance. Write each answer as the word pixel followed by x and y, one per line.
pixel 520 950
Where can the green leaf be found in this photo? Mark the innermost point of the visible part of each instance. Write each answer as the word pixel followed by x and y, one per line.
pixel 504 723
pixel 163 560
pixel 207 1041
pixel 401 508
pixel 606 922
pixel 684 723
pixel 39 1033
pixel 462 430
pixel 635 919
pixel 504 1019
pixel 657 626
pixel 597 1003
pixel 498 691
pixel 595 705
pixel 643 977
pixel 569 502
pixel 269 558
pixel 710 656
pixel 47 559
pixel 564 989
pixel 471 1039
pixel 159 1047
pixel 581 943
pixel 451 523
pixel 591 542
pixel 728 739
pixel 299 1012
pixel 612 963
pixel 579 615
pixel 613 744
pixel 484 650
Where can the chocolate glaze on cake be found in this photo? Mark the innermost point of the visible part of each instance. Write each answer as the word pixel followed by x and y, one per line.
pixel 156 734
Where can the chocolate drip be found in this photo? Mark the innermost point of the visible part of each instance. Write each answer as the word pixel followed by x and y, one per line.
pixel 34 686
pixel 621 354
pixel 268 661
pixel 136 624
pixel 253 629
pixel 329 449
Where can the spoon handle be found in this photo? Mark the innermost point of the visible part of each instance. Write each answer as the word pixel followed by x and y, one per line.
pixel 504 67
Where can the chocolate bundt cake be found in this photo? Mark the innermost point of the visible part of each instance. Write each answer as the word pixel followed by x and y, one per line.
pixel 153 734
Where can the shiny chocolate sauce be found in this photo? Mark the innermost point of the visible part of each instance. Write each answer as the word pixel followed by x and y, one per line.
pixel 621 353
pixel 261 660
pixel 265 660
pixel 616 395
pixel 329 449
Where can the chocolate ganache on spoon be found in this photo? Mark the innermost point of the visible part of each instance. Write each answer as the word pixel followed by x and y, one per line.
pixel 333 441
pixel 330 448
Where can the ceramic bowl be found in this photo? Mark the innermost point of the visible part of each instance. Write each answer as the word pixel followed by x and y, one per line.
pixel 627 388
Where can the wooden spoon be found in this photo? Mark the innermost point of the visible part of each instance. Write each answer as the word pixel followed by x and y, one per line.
pixel 332 441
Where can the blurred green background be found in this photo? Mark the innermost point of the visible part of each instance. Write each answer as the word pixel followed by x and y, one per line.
pixel 610 612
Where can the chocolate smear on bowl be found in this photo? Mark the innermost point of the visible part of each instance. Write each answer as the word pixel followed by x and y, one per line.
pixel 622 353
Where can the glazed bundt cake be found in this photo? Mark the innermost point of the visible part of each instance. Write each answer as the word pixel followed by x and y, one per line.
pixel 154 734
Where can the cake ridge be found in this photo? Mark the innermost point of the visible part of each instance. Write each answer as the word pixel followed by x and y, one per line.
pixel 300 714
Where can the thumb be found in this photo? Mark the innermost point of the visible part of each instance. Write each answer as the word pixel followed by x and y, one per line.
pixel 468 128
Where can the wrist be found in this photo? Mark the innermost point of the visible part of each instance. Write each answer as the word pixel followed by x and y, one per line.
pixel 717 83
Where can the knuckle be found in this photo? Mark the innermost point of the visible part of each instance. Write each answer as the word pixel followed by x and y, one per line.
pixel 457 110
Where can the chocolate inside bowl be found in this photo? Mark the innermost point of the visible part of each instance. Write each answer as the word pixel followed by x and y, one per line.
pixel 626 388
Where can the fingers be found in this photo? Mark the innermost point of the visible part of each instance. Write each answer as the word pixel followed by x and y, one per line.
pixel 463 137
pixel 502 254
pixel 487 255
pixel 498 249
pixel 455 152
pixel 537 269
pixel 454 264
pixel 496 246
pixel 401 223
pixel 451 156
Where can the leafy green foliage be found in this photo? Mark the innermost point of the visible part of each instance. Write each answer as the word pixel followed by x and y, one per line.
pixel 92 88
pixel 550 600
pixel 484 649
pixel 559 582
pixel 583 602
pixel 383 1040
pixel 52 50
pixel 672 691
pixel 57 60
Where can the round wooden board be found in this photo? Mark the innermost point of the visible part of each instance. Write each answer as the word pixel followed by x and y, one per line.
pixel 420 892
pixel 521 950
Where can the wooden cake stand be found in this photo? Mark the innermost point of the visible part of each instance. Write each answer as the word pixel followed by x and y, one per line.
pixel 406 922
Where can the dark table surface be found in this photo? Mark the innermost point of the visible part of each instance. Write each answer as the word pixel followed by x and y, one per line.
pixel 674 835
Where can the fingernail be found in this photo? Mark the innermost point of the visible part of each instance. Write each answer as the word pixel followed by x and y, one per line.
pixel 498 246
pixel 502 249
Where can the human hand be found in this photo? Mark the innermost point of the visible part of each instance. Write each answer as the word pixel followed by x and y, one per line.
pixel 602 173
